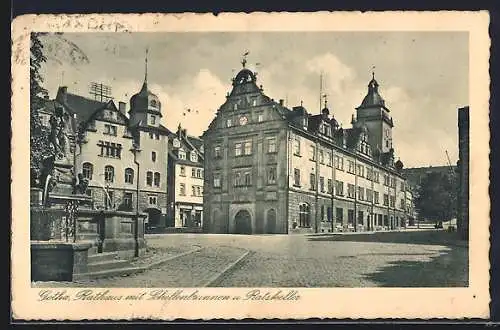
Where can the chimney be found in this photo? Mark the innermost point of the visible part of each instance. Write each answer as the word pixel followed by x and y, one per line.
pixel 122 106
pixel 281 102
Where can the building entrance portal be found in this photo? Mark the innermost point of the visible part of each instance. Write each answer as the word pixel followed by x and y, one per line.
pixel 242 222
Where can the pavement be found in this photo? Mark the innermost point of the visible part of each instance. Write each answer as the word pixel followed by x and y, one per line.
pixel 413 258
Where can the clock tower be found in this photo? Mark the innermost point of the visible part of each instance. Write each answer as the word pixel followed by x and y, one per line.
pixel 374 115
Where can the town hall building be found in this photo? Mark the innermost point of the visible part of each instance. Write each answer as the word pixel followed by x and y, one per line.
pixel 272 169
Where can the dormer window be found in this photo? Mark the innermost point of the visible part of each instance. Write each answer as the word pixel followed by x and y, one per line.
pixel 176 143
pixel 153 103
pixel 229 122
pixel 182 155
pixel 193 156
pixel 152 120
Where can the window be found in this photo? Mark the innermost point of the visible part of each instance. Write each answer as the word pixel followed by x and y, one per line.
pixel 304 215
pixel 237 179
pixel 153 156
pixel 350 190
pixel 152 120
pixel 296 177
pixel 183 171
pixel 109 173
pixel 350 216
pixel 193 172
pixel 360 217
pixel 151 135
pixel 322 184
pixel 271 145
pixel 339 214
pixel 361 170
pixel 369 173
pixel 248 148
pixel 392 201
pixel 254 102
pixel 339 187
pixel 149 178
pixel 129 175
pixel 328 158
pixel 152 199
pixel 176 143
pixel 312 153
pixel 153 103
pixel 193 190
pixel 109 129
pixel 329 214
pixel 386 200
pixel 157 179
pixel 376 197
pixel 271 175
pixel 199 173
pixel 402 186
pixel 369 195
pixel 361 193
pixel 157 136
pixel 194 156
pixel 87 170
pixel 260 116
pixel 217 180
pixel 321 157
pixel 182 154
pixel 296 147
pixel 198 190
pixel 322 215
pixel 402 204
pixel 386 180
pixel 312 181
pixel 229 121
pixel 339 163
pixel 182 189
pixel 330 186
pixel 376 177
pixel 127 200
pixel 112 150
pixel 217 152
pixel 248 179
pixel 350 168
pixel 237 149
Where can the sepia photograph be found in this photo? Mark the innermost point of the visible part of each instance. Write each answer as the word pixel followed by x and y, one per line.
pixel 168 160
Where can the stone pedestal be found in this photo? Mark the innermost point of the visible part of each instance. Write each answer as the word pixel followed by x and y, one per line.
pixel 58 261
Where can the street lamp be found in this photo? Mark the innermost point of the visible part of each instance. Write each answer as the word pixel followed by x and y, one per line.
pixel 135 150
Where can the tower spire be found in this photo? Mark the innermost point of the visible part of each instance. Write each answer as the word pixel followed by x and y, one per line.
pixel 146 66
pixel 373 72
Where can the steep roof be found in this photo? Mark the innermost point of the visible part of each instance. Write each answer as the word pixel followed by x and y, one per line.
pixel 83 107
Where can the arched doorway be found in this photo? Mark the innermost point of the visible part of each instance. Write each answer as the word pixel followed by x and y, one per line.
pixel 271 221
pixel 243 222
pixel 154 218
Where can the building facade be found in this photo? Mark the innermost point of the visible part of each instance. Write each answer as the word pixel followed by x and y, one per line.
pixel 271 169
pixel 123 157
pixel 185 180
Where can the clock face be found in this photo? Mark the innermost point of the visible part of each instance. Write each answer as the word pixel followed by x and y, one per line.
pixel 243 120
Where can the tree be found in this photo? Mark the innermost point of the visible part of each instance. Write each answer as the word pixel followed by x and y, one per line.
pixel 436 197
pixel 39 142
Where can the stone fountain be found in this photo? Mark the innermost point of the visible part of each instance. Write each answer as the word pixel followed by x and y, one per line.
pixel 65 229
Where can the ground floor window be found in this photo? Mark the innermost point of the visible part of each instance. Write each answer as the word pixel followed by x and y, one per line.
pixel 360 217
pixel 304 215
pixel 340 215
pixel 350 216
pixel 386 220
pixel 329 214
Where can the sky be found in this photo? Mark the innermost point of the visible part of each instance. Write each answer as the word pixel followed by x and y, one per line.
pixel 423 76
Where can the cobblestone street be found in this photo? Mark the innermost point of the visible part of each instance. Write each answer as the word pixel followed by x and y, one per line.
pixel 397 259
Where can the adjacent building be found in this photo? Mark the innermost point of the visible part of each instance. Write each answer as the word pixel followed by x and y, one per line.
pixel 185 180
pixel 124 157
pixel 272 169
